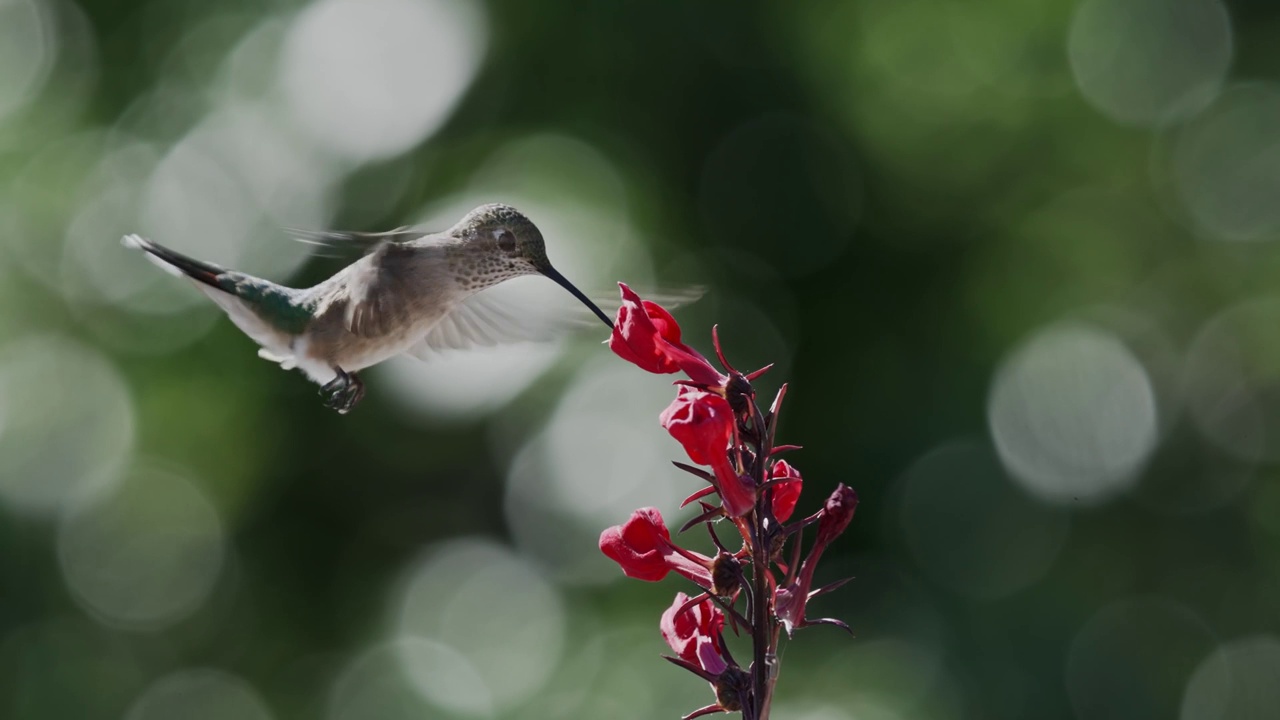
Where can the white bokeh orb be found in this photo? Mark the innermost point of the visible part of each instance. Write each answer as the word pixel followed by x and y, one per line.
pixel 601 455
pixel 369 79
pixel 199 694
pixel 1231 389
pixel 66 423
pixel 1148 62
pixel 374 684
pixel 493 621
pixel 1226 165
pixel 144 556
pixel 28 49
pixel 196 205
pixel 1073 414
pixel 1238 681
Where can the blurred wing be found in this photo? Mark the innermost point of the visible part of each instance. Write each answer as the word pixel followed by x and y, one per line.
pixel 342 242
pixel 669 298
pixel 487 319
pixel 375 305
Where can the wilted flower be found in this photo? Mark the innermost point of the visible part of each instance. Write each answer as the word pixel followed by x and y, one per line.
pixel 791 598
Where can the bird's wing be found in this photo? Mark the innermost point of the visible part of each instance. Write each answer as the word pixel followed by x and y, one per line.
pixel 489 318
pixel 346 242
pixel 377 285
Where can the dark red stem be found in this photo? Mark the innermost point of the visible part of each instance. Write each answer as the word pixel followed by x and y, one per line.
pixel 763 636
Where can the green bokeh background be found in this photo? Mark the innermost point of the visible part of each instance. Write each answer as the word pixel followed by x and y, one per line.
pixel 894 201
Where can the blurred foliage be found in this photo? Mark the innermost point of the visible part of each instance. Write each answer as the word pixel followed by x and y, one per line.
pixel 1017 261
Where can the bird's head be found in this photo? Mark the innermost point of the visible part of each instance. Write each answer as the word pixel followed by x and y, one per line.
pixel 506 234
pixel 512 245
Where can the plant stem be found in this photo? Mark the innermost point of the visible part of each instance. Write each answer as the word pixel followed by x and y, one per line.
pixel 763 637
pixel 761 684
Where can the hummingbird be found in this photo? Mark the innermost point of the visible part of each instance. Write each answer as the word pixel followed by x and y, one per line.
pixel 411 292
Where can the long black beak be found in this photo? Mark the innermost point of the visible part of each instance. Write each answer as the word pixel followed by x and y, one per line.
pixel 563 282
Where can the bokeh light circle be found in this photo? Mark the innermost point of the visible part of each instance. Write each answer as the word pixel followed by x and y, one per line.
pixel 1147 62
pixel 286 182
pixel 959 487
pixel 368 79
pixel 193 204
pixel 1073 414
pixel 1239 681
pixel 199 694
pixel 108 209
pixel 495 624
pixel 1131 659
pixel 39 197
pixel 146 555
pixel 1226 165
pixel 28 49
pixel 68 423
pixel 1231 388
pixel 591 466
pixel 374 685
pixel 461 385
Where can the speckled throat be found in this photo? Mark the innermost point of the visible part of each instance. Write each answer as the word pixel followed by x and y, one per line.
pixel 475 269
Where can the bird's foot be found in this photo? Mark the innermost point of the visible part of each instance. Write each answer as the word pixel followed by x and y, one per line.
pixel 343 392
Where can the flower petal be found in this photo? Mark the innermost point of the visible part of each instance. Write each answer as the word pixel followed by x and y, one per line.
pixel 637 339
pixel 687 627
pixel 645 335
pixel 701 421
pixel 638 545
pixel 785 494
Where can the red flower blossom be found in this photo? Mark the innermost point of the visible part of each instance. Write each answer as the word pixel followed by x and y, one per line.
pixel 791 598
pixel 642 547
pixel 646 335
pixel 694 632
pixel 703 422
pixel 786 493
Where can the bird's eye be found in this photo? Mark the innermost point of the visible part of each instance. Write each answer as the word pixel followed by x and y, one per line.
pixel 506 241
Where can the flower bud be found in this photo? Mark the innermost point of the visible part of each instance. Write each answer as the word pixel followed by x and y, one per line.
pixel 739 393
pixel 726 574
pixel 837 512
pixel 785 494
pixel 732 688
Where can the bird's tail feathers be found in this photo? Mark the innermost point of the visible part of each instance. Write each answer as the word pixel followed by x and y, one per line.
pixel 175 263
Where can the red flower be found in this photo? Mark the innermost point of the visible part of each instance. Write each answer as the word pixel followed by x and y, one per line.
pixel 787 493
pixel 694 632
pixel 703 423
pixel 643 548
pixel 646 335
pixel 790 599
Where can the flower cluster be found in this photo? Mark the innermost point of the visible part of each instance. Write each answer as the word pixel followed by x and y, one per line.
pixel 716 419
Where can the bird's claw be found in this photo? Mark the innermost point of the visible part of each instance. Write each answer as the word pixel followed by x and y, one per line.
pixel 343 392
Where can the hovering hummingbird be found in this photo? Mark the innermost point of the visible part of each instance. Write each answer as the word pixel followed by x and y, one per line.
pixel 412 292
